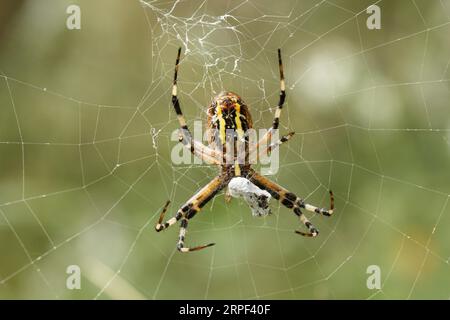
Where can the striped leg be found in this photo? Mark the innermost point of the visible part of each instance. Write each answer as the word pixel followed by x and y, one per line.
pixel 189 210
pixel 291 201
pixel 208 155
pixel 160 225
pixel 197 148
pixel 276 144
pixel 325 212
pixel 276 120
pixel 175 102
pixel 180 246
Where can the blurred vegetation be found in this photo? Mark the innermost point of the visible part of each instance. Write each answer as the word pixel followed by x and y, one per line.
pixel 85 144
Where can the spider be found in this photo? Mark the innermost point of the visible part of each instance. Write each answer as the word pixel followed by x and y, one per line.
pixel 229 111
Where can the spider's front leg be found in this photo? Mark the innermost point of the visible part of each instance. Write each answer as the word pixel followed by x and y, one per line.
pixel 275 144
pixel 291 201
pixel 197 148
pixel 189 210
pixel 267 137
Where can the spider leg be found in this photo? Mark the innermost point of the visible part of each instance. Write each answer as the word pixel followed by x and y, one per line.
pixel 208 155
pixel 323 211
pixel 189 210
pixel 228 196
pixel 276 144
pixel 197 148
pixel 291 201
pixel 276 120
pixel 160 225
pixel 180 246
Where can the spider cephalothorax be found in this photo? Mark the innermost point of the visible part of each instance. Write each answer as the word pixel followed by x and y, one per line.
pixel 228 111
pixel 229 121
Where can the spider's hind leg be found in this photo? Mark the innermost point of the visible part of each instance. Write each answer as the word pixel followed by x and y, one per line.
pixel 323 211
pixel 180 245
pixel 160 225
pixel 189 210
pixel 291 201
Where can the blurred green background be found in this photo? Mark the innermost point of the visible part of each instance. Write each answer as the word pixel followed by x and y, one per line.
pixel 85 148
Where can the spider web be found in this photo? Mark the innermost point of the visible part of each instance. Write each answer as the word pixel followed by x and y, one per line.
pixel 86 139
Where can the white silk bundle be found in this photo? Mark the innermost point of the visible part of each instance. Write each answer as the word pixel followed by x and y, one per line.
pixel 256 198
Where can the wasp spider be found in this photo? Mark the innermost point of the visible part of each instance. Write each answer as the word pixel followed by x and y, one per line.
pixel 229 111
